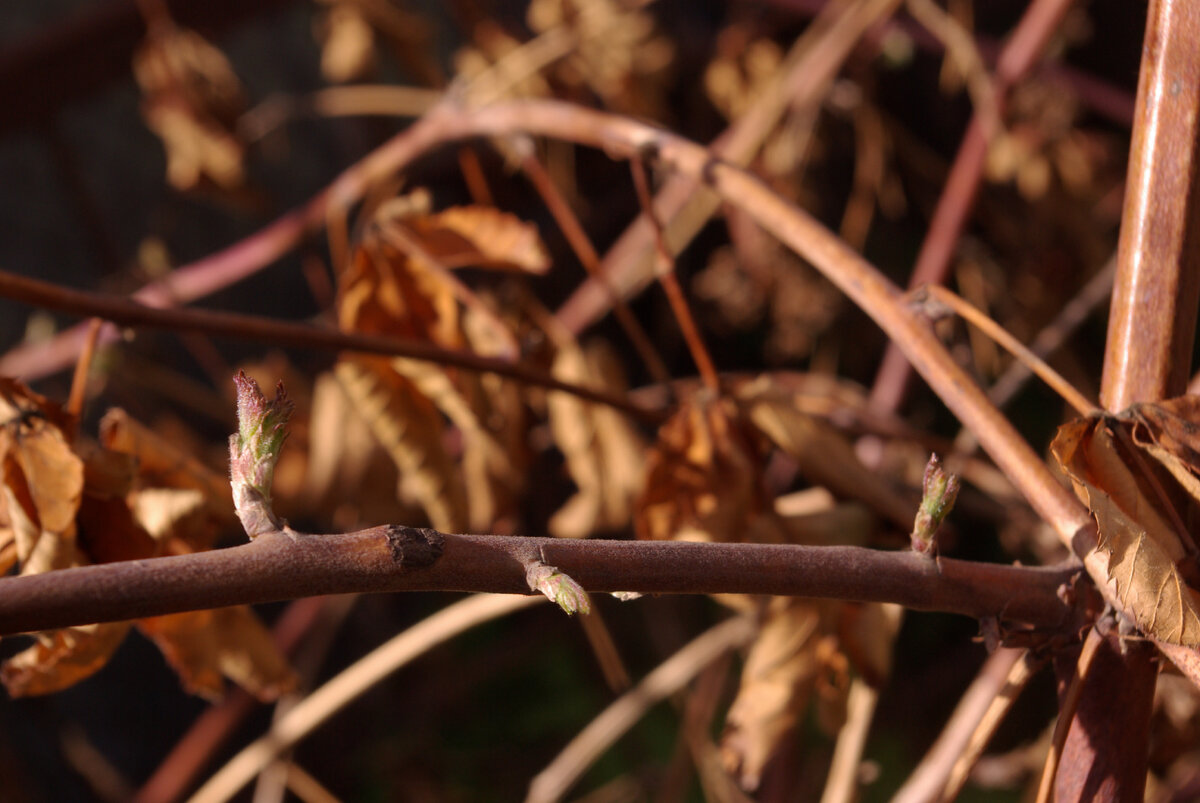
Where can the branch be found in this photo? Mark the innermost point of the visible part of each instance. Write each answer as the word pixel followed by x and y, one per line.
pixel 287 565
pixel 129 312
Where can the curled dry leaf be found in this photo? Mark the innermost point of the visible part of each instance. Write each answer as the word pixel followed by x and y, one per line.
pixel 122 500
pixel 42 479
pixel 411 430
pixel 604 453
pixel 191 98
pixel 41 487
pixel 1169 431
pixel 397 283
pixel 824 456
pixel 794 656
pixel 61 658
pixel 703 476
pixel 176 496
pixel 205 646
pixel 1145 550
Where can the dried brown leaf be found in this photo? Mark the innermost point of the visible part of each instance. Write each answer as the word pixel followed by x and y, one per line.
pixel 61 658
pixel 703 476
pixel 392 286
pixel 604 453
pixel 205 646
pixel 794 655
pixel 41 479
pixel 481 236
pixel 191 99
pixel 1144 550
pixel 1169 431
pixel 175 496
pixel 411 429
pixel 824 456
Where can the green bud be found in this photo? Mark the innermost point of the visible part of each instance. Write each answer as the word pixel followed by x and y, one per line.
pixel 938 492
pixel 559 588
pixel 253 451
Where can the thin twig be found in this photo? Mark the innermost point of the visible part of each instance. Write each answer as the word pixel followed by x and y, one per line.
pixel 670 282
pixel 980 710
pixel 1053 335
pixel 585 252
pixel 128 312
pixel 976 317
pixel 83 366
pixel 350 684
pixel 390 558
pixel 1066 714
pixel 564 771
pixel 842 783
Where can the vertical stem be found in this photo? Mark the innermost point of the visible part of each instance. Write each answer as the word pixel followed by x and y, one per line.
pixel 1153 317
pixel 1148 356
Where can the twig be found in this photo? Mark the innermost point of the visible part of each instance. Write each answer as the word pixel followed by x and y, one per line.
pixel 585 252
pixel 801 84
pixel 979 712
pixel 343 101
pixel 279 566
pixel 1153 317
pixel 665 273
pixel 960 47
pixel 1052 337
pixel 177 771
pixel 974 316
pixel 352 683
pixel 129 312
pixel 842 783
pixel 962 185
pixel 83 366
pixel 1066 714
pixel 590 743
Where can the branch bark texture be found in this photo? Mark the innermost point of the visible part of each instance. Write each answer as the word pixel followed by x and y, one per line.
pixel 285 565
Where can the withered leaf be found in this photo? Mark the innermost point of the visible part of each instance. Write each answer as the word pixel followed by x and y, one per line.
pixel 703 476
pixel 1143 549
pixel 481 236
pixel 41 479
pixel 174 494
pixel 191 99
pixel 205 646
pixel 825 457
pixel 393 286
pixel 794 655
pixel 410 428
pixel 1169 431
pixel 603 451
pixel 61 658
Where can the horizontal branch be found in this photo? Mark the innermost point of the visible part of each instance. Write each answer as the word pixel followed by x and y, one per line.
pixel 130 312
pixel 281 566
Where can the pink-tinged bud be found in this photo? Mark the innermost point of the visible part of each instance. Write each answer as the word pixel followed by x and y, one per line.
pixel 558 587
pixel 253 451
pixel 938 492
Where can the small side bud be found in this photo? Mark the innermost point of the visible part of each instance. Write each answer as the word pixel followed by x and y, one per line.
pixel 253 451
pixel 559 588
pixel 938 492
